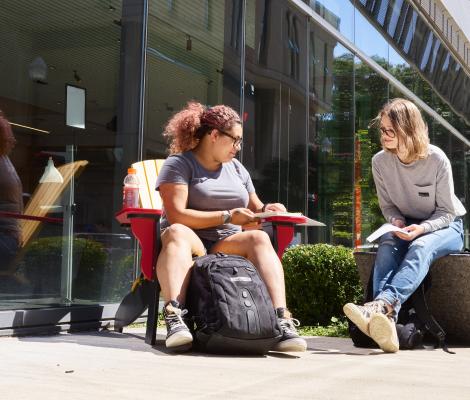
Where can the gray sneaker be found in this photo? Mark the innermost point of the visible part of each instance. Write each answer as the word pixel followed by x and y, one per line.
pixel 178 336
pixel 290 340
pixel 361 315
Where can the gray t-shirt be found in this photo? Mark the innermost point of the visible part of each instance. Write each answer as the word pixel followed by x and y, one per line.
pixel 422 190
pixel 224 189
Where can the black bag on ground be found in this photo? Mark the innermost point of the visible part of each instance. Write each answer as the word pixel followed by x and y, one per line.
pixel 410 330
pixel 414 321
pixel 229 307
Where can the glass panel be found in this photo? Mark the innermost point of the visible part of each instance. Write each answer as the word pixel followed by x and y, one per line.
pixel 331 139
pixel 275 103
pixel 193 54
pixel 339 13
pixel 63 243
pixel 412 36
pixel 369 40
pixel 372 92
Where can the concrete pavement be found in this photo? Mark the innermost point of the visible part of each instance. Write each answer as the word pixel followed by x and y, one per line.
pixel 109 365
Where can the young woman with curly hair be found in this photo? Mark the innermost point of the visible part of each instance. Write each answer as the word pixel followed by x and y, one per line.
pixel 207 196
pixel 416 192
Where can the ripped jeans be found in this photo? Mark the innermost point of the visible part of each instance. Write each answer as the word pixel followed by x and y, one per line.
pixel 400 266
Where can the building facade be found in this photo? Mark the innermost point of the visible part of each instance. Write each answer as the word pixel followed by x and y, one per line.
pixel 88 86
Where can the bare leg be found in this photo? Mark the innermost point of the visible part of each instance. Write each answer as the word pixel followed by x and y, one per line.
pixel 256 246
pixel 179 243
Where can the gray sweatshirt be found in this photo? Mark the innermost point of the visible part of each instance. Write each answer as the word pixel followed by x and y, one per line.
pixel 423 189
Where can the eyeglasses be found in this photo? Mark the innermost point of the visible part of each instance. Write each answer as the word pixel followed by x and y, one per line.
pixel 388 132
pixel 237 141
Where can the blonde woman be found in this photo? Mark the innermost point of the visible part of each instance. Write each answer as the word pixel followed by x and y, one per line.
pixel 416 192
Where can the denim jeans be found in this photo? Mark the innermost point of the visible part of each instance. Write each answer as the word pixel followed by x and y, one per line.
pixel 400 265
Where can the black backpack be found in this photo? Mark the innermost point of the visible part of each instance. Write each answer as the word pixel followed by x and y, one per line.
pixel 229 307
pixel 414 321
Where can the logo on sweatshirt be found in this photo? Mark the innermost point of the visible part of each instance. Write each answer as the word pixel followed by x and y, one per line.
pixel 423 194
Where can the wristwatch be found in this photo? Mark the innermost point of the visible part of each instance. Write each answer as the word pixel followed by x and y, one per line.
pixel 227 217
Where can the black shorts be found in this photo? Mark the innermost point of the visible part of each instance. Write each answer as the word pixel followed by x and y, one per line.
pixel 208 244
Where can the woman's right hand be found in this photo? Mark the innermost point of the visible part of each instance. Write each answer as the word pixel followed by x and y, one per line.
pixel 242 216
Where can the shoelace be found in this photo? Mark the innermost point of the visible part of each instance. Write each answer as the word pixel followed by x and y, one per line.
pixel 288 325
pixel 174 319
pixel 376 307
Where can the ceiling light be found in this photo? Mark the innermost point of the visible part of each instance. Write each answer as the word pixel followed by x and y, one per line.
pixel 38 70
pixel 29 127
pixel 51 174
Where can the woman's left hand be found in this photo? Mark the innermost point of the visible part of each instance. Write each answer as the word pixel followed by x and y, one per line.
pixel 414 231
pixel 275 207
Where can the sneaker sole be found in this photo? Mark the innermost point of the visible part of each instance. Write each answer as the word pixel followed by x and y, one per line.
pixel 384 333
pixel 354 313
pixel 180 341
pixel 291 345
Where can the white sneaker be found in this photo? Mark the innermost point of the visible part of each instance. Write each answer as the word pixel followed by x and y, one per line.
pixel 361 315
pixel 384 332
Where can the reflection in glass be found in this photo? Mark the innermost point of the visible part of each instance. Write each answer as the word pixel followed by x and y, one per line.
pixel 68 246
pixel 274 104
pixel 368 39
pixel 372 92
pixel 11 207
pixel 193 54
pixel 331 143
pixel 414 39
pixel 339 13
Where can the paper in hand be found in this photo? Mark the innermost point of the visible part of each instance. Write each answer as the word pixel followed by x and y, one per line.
pixel 385 228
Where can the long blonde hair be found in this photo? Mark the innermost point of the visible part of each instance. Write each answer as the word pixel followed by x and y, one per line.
pixel 410 128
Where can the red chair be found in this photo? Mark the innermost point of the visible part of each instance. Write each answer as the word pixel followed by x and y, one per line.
pixel 145 225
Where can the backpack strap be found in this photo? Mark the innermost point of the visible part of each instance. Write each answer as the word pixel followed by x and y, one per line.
pixel 424 314
pixel 369 291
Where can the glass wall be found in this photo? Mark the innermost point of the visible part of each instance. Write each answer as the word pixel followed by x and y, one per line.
pixel 307 101
pixel 60 185
pixel 305 96
pixel 275 110
pixel 331 139
pixel 193 53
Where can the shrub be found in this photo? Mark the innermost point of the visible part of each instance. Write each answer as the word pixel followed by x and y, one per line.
pixel 320 279
pixel 119 278
pixel 42 264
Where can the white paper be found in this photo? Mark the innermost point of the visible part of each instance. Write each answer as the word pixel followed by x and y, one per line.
pixel 383 230
pixel 308 221
pixel 277 214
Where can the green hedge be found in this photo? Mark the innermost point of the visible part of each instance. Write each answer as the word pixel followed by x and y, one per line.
pixel 320 279
pixel 42 264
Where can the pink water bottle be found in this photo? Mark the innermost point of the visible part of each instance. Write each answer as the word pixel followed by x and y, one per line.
pixel 130 192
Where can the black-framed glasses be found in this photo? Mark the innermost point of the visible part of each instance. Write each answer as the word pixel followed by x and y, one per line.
pixel 236 140
pixel 387 132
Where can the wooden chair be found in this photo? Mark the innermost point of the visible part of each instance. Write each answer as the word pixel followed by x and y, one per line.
pixel 145 225
pixel 44 195
pixel 35 212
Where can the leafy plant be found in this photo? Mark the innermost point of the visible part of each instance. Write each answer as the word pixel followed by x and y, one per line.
pixel 320 279
pixel 42 265
pixel 336 328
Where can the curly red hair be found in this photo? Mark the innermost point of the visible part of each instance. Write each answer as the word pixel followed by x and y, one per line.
pixel 186 128
pixel 7 140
